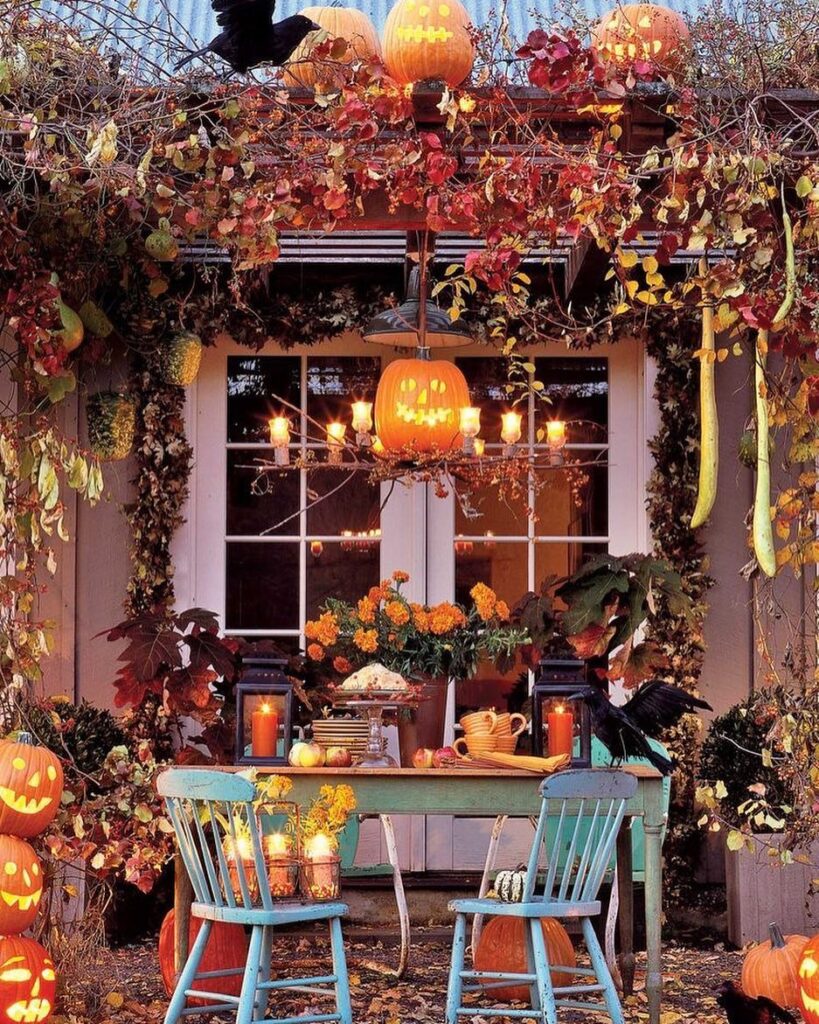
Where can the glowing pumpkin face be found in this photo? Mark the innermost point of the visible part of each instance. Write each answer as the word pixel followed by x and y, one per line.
pixel 428 39
pixel 21 885
pixel 27 981
pixel 646 32
pixel 809 981
pixel 418 403
pixel 31 785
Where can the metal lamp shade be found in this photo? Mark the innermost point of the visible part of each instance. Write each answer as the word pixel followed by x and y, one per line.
pixel 399 326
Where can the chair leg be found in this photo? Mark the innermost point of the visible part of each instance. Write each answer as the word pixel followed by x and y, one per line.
pixel 598 961
pixel 343 1003
pixel 263 995
pixel 456 966
pixel 187 974
pixel 543 975
pixel 531 966
pixel 247 998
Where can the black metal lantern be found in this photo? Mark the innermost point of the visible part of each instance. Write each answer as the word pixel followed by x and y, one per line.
pixel 558 724
pixel 264 712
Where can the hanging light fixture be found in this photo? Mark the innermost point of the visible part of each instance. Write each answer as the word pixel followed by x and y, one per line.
pixel 401 326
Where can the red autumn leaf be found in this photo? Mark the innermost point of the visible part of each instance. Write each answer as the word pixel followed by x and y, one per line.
pixel 593 641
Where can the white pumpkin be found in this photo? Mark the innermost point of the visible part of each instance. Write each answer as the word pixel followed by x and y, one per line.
pixel 510 885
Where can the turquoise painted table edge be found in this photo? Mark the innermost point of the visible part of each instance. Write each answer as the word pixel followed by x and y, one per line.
pixel 480 793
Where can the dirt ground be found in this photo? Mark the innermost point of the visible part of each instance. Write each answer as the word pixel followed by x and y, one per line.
pixel 123 986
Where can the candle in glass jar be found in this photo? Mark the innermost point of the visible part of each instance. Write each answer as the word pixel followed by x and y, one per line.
pixel 264 731
pixel 362 417
pixel 319 851
pixel 560 723
pixel 280 865
pixel 555 433
pixel 510 427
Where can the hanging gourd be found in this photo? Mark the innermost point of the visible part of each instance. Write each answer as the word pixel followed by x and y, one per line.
pixel 71 332
pixel 418 403
pixel 771 968
pixel 180 357
pixel 339 23
pixel 502 948
pixel 95 319
pixel 226 949
pixel 27 981
pixel 21 885
pixel 160 243
pixel 428 39
pixel 31 786
pixel 111 425
pixel 709 421
pixel 510 885
pixel 647 32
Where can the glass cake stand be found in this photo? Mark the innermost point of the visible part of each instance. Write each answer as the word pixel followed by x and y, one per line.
pixel 371 706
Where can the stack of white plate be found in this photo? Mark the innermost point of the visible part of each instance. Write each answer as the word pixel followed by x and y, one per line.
pixel 341 732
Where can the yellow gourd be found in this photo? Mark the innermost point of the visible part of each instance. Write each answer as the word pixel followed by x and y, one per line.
pixel 709 421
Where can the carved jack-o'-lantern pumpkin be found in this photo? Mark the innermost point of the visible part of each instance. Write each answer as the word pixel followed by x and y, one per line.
pixel 339 23
pixel 428 39
pixel 809 981
pixel 31 784
pixel 418 404
pixel 27 981
pixel 648 32
pixel 21 885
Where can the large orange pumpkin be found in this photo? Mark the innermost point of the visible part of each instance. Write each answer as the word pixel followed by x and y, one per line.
pixel 226 949
pixel 418 403
pixel 502 948
pixel 428 39
pixel 340 23
pixel 27 981
pixel 809 981
pixel 771 968
pixel 21 885
pixel 31 785
pixel 647 32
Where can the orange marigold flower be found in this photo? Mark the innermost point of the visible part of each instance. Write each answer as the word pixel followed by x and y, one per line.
pixel 366 609
pixel 315 651
pixel 485 600
pixel 400 576
pixel 397 612
pixel 341 665
pixel 502 611
pixel 420 617
pixel 445 617
pixel 366 640
pixel 323 630
pixel 375 595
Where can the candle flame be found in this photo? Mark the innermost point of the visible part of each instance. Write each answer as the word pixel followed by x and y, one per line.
pixel 559 709
pixel 318 845
pixel 278 843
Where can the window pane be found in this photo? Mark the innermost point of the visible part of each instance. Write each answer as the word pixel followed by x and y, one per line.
pixel 562 559
pixel 579 392
pixel 500 566
pixel 501 519
pixel 345 570
pixel 250 514
pixel 573 503
pixel 354 506
pixel 486 377
pixel 333 382
pixel 262 586
pixel 253 381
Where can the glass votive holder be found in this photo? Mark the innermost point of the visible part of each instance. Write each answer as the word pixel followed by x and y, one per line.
pixel 251 878
pixel 283 876
pixel 320 877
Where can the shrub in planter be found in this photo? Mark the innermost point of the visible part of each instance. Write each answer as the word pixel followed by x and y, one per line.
pixel 81 733
pixel 111 424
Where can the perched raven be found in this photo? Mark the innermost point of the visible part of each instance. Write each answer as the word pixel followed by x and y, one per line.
pixel 249 37
pixel 623 731
pixel 742 1009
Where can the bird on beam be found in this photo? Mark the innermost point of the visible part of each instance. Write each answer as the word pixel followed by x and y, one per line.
pixel 742 1009
pixel 623 730
pixel 249 37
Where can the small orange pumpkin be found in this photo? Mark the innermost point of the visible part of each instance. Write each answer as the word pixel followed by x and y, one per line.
pixel 21 885
pixel 226 949
pixel 502 948
pixel 647 32
pixel 31 785
pixel 428 39
pixel 339 23
pixel 27 981
pixel 809 981
pixel 771 968
pixel 418 403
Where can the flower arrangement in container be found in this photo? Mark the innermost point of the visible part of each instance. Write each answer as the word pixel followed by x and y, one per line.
pixel 319 830
pixel 418 641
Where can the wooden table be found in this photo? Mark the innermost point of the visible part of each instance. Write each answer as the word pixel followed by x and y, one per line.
pixel 483 793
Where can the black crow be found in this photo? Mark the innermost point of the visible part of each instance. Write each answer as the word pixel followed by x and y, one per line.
pixel 742 1009
pixel 249 37
pixel 623 730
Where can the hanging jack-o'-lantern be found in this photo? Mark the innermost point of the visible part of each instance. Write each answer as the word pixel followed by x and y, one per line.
pixel 27 981
pixel 648 32
pixel 809 981
pixel 31 785
pixel 339 23
pixel 418 404
pixel 21 885
pixel 428 39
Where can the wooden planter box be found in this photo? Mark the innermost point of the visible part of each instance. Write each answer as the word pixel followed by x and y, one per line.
pixel 761 890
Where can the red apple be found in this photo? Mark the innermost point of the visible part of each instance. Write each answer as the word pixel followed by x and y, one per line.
pixel 443 754
pixel 422 758
pixel 338 757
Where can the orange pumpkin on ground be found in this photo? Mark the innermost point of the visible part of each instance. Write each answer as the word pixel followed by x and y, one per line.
pixel 647 32
pixel 226 949
pixel 501 948
pixel 428 39
pixel 21 885
pixel 418 404
pixel 31 785
pixel 27 981
pixel 339 23
pixel 771 968
pixel 809 981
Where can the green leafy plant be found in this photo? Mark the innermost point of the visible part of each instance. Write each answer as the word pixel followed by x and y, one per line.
pixel 81 734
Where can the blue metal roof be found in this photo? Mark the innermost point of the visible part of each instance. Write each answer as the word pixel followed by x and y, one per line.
pixel 152 34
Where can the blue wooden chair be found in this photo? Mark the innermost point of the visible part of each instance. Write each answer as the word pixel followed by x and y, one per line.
pixel 583 811
pixel 210 812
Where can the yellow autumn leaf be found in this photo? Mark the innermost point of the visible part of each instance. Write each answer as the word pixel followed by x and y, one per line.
pixel 627 258
pixel 115 999
pixel 650 264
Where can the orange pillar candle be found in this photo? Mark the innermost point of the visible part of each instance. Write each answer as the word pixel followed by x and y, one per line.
pixel 264 731
pixel 561 731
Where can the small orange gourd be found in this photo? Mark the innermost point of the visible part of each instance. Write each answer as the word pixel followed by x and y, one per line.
pixel 502 948
pixel 418 403
pixel 771 969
